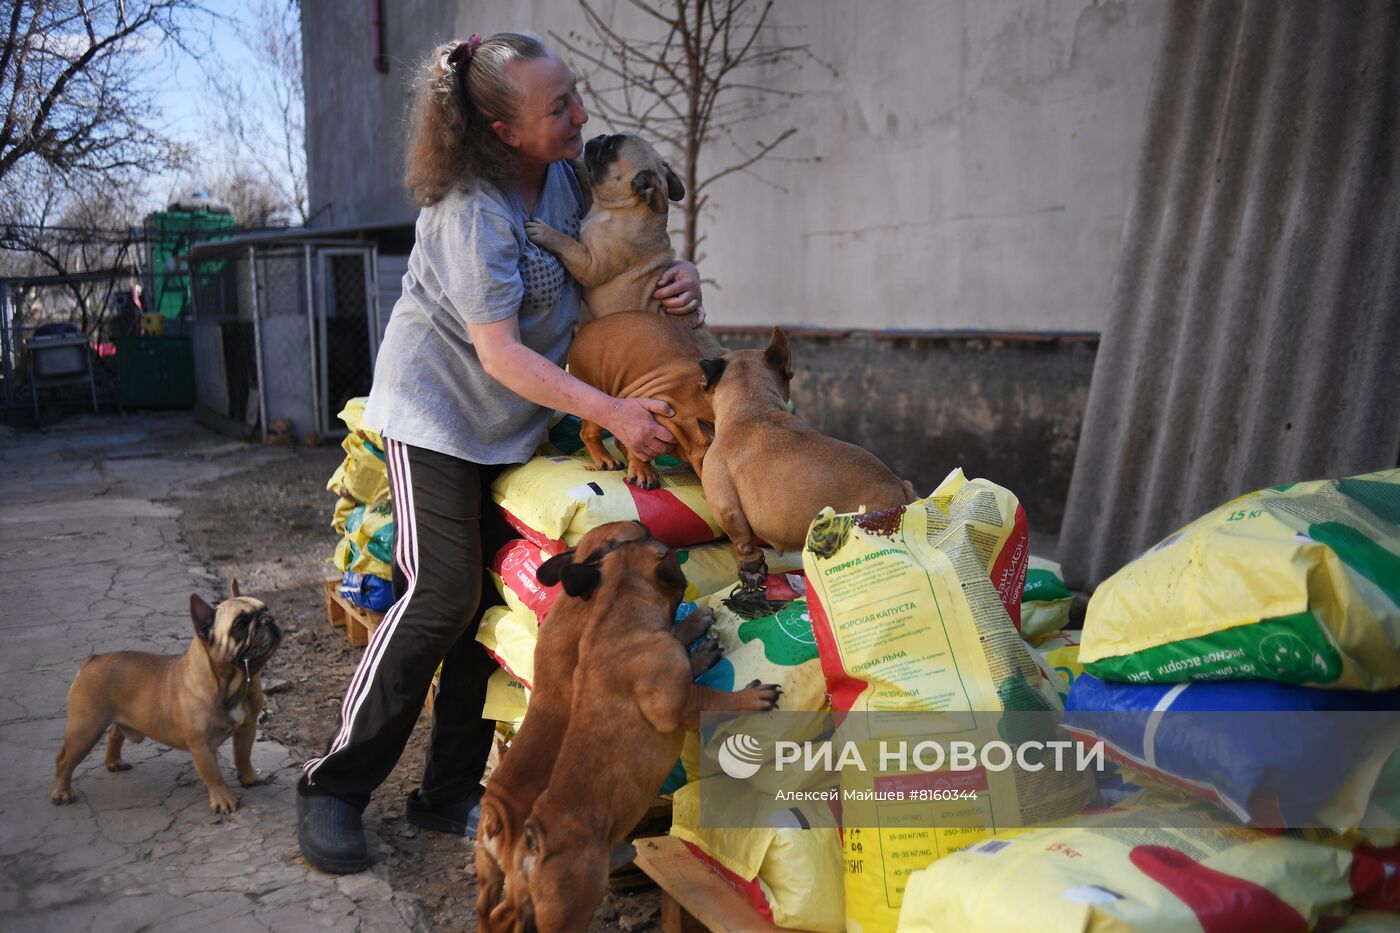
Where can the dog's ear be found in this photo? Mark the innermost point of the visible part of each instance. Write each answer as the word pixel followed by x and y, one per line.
pixel 548 574
pixel 711 370
pixel 233 588
pixel 779 354
pixel 580 579
pixel 668 571
pixel 647 187
pixel 202 615
pixel 489 827
pixel 675 190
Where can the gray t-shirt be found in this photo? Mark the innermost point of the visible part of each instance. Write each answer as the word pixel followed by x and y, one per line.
pixel 472 264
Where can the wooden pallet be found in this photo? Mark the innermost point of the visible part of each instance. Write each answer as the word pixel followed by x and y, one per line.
pixel 693 897
pixel 359 623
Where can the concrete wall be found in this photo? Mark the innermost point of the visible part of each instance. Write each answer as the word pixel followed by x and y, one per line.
pixel 960 164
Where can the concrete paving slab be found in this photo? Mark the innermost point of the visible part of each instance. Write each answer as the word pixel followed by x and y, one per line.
pixel 94 564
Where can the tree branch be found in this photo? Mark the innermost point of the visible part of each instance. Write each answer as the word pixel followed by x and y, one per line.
pixel 763 150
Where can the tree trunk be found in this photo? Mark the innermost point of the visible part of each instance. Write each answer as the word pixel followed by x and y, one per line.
pixel 694 48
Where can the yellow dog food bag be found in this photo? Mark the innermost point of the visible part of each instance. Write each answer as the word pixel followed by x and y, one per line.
pixel 353 415
pixel 1159 864
pixel 506 700
pixel 510 639
pixel 907 618
pixel 1296 583
pixel 368 543
pixel 559 498
pixel 1060 652
pixel 349 557
pixel 772 647
pixel 713 567
pixel 777 647
pixel 363 476
pixel 790 876
pixel 343 508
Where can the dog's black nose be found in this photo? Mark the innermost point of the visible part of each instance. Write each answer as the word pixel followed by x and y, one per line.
pixel 599 152
pixel 592 147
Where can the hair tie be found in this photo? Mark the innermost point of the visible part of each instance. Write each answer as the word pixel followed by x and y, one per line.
pixel 462 54
pixel 460 58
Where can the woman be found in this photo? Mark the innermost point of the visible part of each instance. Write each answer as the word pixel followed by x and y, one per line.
pixel 465 384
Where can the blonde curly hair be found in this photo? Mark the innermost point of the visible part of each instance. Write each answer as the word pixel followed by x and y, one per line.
pixel 450 142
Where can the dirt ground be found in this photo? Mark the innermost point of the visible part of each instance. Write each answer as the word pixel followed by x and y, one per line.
pixel 270 528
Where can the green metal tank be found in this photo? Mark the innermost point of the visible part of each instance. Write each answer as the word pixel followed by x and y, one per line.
pixel 168 235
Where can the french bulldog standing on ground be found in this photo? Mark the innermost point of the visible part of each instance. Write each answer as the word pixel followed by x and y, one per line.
pixel 194 701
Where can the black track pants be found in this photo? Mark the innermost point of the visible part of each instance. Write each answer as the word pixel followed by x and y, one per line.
pixel 446 532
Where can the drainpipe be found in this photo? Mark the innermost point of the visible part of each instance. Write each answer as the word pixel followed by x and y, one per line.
pixel 318 424
pixel 376 36
pixel 9 372
pixel 257 338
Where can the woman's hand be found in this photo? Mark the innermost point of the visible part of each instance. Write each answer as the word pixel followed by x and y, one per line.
pixel 633 425
pixel 679 290
pixel 531 376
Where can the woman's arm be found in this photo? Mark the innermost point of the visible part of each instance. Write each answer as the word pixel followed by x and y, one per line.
pixel 533 377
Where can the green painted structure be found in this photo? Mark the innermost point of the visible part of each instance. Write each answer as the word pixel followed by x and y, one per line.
pixel 168 235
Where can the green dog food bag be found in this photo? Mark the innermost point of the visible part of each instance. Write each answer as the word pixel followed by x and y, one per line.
pixel 1297 583
pixel 1045 601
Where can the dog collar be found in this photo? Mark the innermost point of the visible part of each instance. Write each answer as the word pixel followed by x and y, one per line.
pixel 243 689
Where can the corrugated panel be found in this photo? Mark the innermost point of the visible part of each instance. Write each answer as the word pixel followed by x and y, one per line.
pixel 1254 336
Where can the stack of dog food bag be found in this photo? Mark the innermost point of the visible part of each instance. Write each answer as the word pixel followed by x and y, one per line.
pixel 364 515
pixel 552 501
pixel 1286 600
pixel 916 608
pixel 1245 672
pixel 965 547
pixel 790 875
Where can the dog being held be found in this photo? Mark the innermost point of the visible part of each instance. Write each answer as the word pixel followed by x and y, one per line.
pixel 524 770
pixel 623 247
pixel 766 473
pixel 634 354
pixel 633 698
pixel 192 701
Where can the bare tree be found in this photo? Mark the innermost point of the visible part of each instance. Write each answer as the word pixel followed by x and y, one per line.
pixel 707 72
pixel 263 110
pixel 75 234
pixel 72 103
pixel 254 199
pixel 80 137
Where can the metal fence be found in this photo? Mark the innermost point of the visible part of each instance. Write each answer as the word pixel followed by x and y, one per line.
pixel 57 339
pixel 284 330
